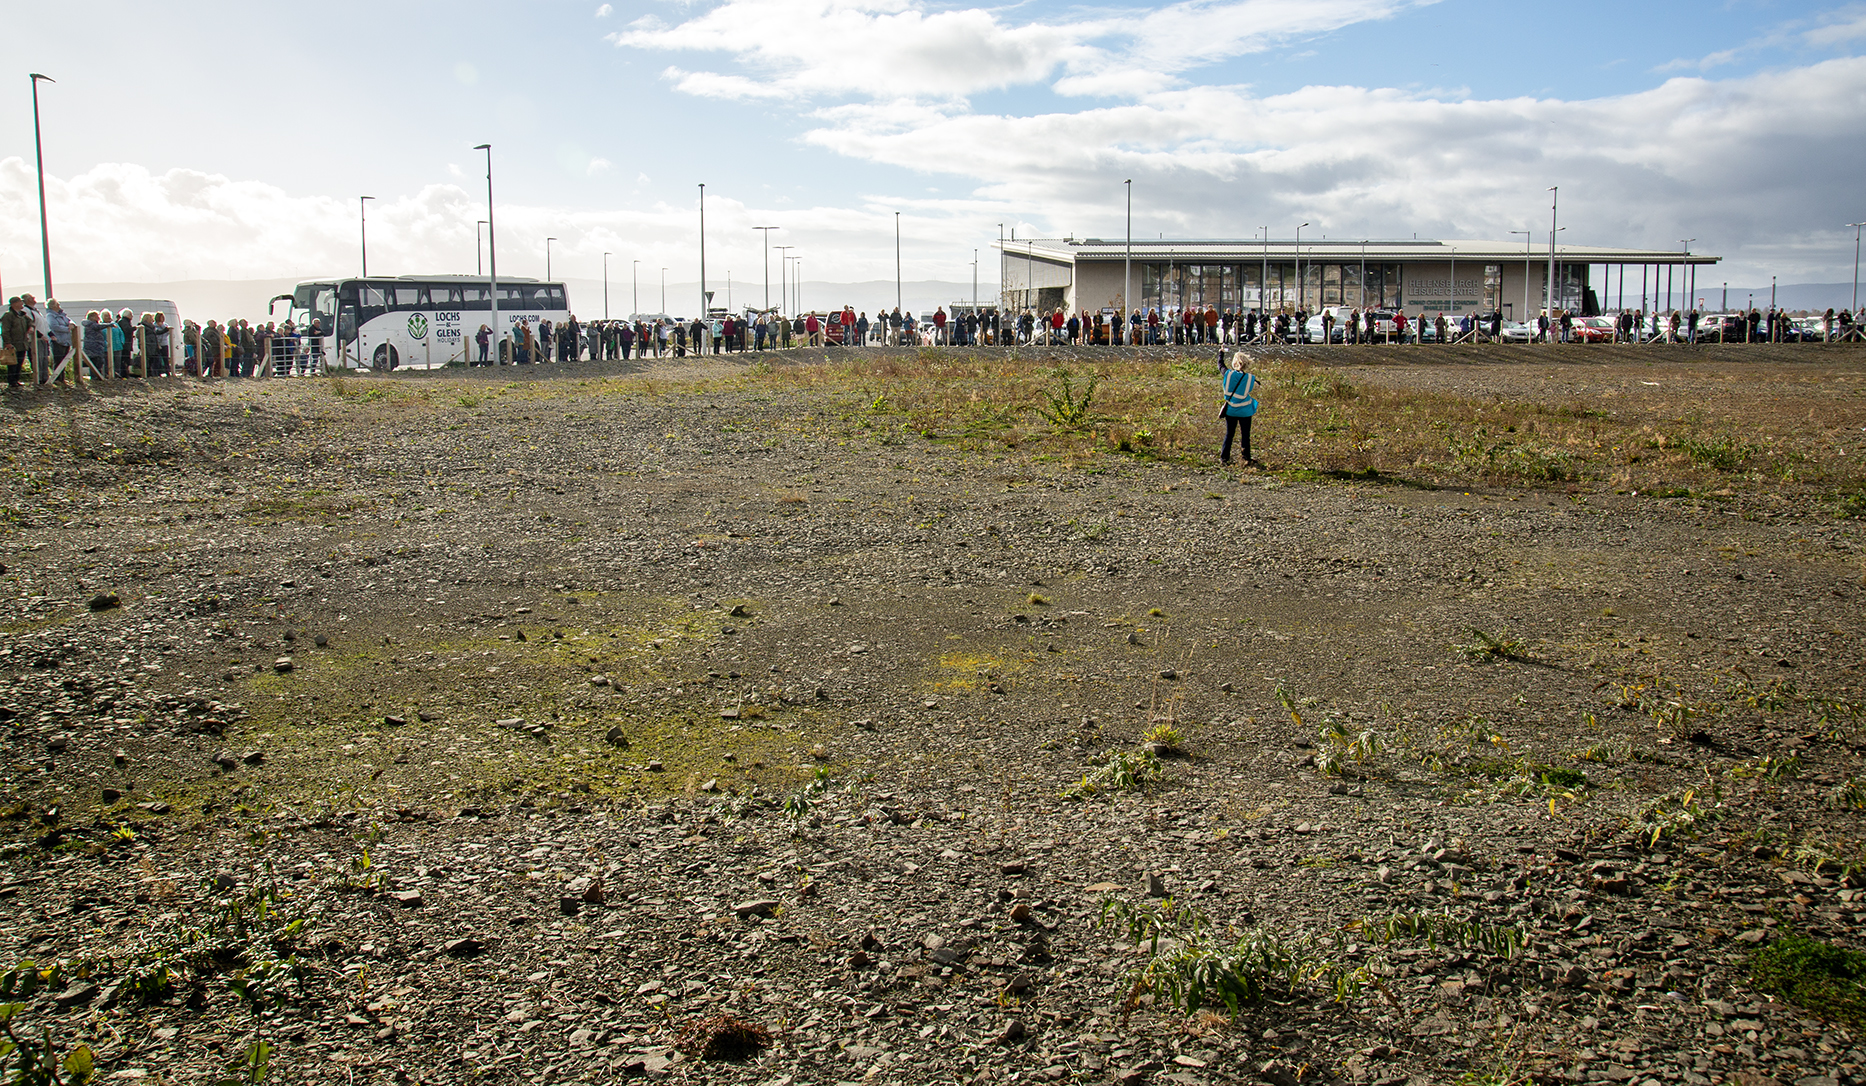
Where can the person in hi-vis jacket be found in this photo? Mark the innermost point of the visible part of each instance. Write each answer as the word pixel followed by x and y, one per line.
pixel 1238 407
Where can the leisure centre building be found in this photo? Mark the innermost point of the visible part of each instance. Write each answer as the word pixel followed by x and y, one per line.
pixel 1418 276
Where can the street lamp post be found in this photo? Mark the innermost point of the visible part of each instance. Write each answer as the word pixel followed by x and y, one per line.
pixel 38 153
pixel 1003 263
pixel 1127 258
pixel 703 299
pixel 975 282
pixel 766 231
pixel 1856 267
pixel 1691 276
pixel 634 289
pixel 1263 283
pixel 547 258
pixel 1362 304
pixel 664 292
pixel 784 275
pixel 492 261
pixel 1554 203
pixel 1299 265
pixel 479 261
pixel 605 286
pixel 362 222
pixel 897 259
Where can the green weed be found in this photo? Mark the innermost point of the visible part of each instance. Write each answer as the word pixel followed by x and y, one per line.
pixel 1826 979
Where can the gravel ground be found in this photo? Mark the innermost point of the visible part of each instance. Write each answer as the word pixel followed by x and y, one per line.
pixel 582 711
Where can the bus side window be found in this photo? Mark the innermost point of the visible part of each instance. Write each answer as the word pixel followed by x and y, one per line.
pixel 444 297
pixel 371 301
pixel 407 297
pixel 475 298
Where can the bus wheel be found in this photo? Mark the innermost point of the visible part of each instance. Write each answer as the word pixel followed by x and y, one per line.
pixel 386 358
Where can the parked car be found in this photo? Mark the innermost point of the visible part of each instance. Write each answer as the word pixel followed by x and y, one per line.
pixel 1592 330
pixel 1516 332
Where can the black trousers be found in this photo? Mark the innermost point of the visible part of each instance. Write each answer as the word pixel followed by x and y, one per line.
pixel 1240 428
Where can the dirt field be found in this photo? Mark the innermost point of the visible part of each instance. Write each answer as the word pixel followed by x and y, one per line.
pixel 907 721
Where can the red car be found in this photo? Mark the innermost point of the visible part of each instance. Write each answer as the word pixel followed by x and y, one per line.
pixel 1592 330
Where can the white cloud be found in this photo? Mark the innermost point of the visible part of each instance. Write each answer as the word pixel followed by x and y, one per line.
pixel 596 166
pixel 904 49
pixel 604 12
pixel 1837 28
pixel 1702 64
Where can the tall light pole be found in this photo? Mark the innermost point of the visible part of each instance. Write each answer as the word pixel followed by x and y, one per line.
pixel 897 259
pixel 1554 204
pixel 1002 264
pixel 605 286
pixel 492 261
pixel 1127 259
pixel 38 153
pixel 547 258
pixel 664 292
pixel 1363 292
pixel 634 289
pixel 1528 244
pixel 1856 267
pixel 1263 284
pixel 479 260
pixel 784 275
pixel 1691 276
pixel 1299 265
pixel 362 222
pixel 766 231
pixel 975 282
pixel 703 299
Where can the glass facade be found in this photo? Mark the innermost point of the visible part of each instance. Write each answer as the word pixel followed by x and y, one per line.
pixel 1272 286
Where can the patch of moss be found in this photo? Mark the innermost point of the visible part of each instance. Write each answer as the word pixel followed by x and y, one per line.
pixel 1826 979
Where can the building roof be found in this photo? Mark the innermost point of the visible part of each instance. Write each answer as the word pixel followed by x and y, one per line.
pixel 1334 250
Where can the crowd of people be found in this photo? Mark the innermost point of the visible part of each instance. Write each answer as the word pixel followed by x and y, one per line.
pixel 53 344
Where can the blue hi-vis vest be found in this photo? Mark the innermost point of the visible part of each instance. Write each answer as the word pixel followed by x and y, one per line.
pixel 1239 403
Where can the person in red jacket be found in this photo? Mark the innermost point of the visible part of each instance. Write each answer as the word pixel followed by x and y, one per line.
pixel 939 325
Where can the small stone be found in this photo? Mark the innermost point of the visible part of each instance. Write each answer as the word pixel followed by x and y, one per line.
pixel 320 641
pixel 410 898
pixel 394 721
pixel 593 893
pixel 282 665
pixel 1013 1032
pixel 656 767
pixel 857 960
pixel 254 757
pixel 463 948
pixel 1156 886
pixel 615 738
pixel 76 997
pixel 111 795
pixel 104 601
pixel 1014 868
pixel 1134 638
pixel 569 906
pixel 762 906
pixel 599 680
pixel 711 785
pixel 226 761
pixel 1169 673
pixel 738 611
pixel 1020 913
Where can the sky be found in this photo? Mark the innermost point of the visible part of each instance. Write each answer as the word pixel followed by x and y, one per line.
pixel 203 140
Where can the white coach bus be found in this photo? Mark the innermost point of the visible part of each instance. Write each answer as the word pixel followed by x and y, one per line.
pixel 420 321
